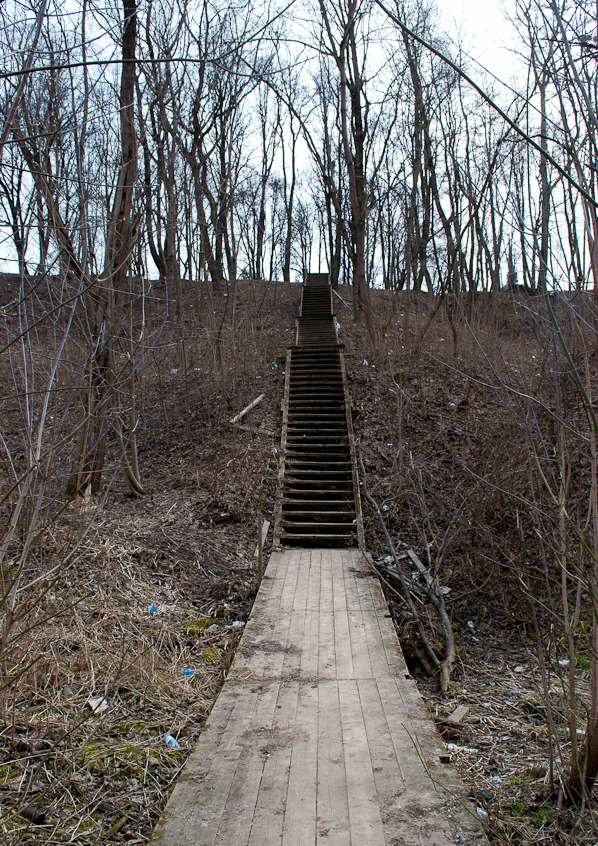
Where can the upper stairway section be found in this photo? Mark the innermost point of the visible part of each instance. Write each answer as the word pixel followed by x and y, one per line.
pixel 319 489
pixel 316 324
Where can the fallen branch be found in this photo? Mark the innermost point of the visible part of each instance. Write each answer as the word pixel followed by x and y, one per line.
pixel 344 302
pixel 437 600
pixel 434 660
pixel 246 410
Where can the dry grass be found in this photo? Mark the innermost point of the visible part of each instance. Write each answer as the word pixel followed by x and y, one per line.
pixel 122 595
pixel 451 448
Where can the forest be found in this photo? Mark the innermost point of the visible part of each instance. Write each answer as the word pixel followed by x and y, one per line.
pixel 169 172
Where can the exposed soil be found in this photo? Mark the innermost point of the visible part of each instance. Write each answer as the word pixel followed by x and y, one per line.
pixel 443 432
pixel 148 611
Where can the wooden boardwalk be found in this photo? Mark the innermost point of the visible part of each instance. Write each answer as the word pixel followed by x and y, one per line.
pixel 319 735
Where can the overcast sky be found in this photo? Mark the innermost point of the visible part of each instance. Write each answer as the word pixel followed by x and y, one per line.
pixel 485 31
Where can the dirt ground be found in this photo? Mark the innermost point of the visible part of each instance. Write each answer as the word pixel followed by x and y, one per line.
pixel 442 432
pixel 131 642
pixel 142 622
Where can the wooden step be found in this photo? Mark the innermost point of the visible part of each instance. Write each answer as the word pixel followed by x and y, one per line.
pixel 293 494
pixel 318 473
pixel 304 502
pixel 331 528
pixel 326 462
pixel 313 537
pixel 347 516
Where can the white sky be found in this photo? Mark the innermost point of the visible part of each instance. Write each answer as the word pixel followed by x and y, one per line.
pixel 484 30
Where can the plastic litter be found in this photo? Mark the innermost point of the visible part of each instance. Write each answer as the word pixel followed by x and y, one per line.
pixel 98 704
pixel 188 672
pixel 236 624
pixel 454 747
pixel 171 742
pixel 153 609
pixel 384 559
pixel 481 814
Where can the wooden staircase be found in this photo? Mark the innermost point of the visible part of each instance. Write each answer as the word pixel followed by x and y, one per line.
pixel 319 489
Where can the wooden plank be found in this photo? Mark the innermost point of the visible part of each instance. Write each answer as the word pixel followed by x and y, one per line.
pixel 283 449
pixel 325 583
pixel 315 580
pixel 272 583
pixel 388 778
pixel 237 815
pixel 333 827
pixel 267 823
pixel 310 654
pixel 353 454
pixel 197 802
pixel 368 592
pixel 318 736
pixel 374 644
pixel 326 646
pixel 352 575
pixel 407 728
pixel 339 588
pixel 290 584
pixel 456 718
pixel 360 656
pixel 342 645
pixel 299 828
pixel 303 568
pixel 263 648
pixel 364 814
pixel 429 810
pixel 265 530
pixel 295 644
pixel 390 642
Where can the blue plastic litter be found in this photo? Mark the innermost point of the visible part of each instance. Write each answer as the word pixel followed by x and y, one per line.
pixel 171 742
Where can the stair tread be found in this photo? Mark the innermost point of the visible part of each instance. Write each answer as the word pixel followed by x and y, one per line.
pixel 321 513
pixel 325 496
pixel 343 527
pixel 318 500
pixel 313 536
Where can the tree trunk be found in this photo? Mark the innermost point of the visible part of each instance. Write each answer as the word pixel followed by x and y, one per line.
pixel 89 459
